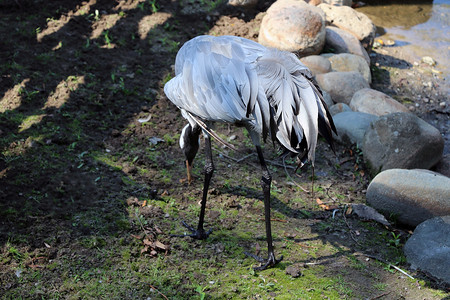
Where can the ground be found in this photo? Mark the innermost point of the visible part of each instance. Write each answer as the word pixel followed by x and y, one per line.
pixel 92 178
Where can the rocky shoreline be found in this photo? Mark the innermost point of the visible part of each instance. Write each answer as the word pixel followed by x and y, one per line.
pixel 399 119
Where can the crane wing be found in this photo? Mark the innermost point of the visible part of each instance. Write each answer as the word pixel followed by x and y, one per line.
pixel 213 79
pixel 236 80
pixel 298 107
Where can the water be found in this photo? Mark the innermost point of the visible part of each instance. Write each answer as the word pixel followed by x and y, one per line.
pixel 420 28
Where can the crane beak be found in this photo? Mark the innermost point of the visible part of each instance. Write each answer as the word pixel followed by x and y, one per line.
pixel 188 170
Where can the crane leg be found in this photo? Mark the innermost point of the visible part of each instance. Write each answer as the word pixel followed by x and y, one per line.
pixel 200 232
pixel 266 181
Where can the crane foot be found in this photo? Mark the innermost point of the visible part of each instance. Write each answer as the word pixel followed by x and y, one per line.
pixel 269 262
pixel 198 234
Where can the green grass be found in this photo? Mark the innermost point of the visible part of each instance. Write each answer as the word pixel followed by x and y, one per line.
pixel 69 176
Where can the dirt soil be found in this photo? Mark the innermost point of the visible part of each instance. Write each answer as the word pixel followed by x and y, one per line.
pixel 92 178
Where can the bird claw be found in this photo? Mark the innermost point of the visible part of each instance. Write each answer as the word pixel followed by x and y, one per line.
pixel 198 234
pixel 269 262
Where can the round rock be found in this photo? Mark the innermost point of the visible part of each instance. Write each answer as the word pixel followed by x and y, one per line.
pixel 428 249
pixel 412 196
pixel 351 126
pixel 316 64
pixel 294 26
pixel 344 42
pixel 338 108
pixel 346 62
pixel 341 85
pixel 352 21
pixel 375 102
pixel 401 140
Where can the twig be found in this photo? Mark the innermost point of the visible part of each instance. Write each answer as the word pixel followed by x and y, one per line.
pixel 385 262
pixel 306 246
pixel 142 226
pixel 351 230
pixel 328 261
pixel 238 160
pixel 158 291
pixel 344 160
pixel 276 220
pixel 401 271
pixel 327 189
pixel 272 162
pixel 292 179
pixel 379 296
pixel 244 158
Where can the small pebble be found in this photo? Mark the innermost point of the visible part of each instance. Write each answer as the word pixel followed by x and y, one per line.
pixel 429 60
pixel 294 271
pixel 442 104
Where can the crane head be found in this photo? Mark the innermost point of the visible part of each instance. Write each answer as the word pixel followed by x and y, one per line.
pixel 189 143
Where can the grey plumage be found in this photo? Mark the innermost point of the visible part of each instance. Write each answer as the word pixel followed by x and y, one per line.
pixel 235 80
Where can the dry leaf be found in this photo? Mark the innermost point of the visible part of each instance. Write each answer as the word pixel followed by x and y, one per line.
pixel 138 237
pixel 320 202
pixel 349 211
pixel 325 206
pixel 158 230
pixel 257 248
pixel 160 245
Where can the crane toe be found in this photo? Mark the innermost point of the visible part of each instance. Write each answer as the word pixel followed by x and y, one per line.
pixel 198 234
pixel 266 262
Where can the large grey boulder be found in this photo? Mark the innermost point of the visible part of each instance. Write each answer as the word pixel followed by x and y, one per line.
pixel 294 26
pixel 341 85
pixel 346 62
pixel 375 102
pixel 351 126
pixel 316 64
pixel 342 41
pixel 357 23
pixel 428 249
pixel 401 140
pixel 412 196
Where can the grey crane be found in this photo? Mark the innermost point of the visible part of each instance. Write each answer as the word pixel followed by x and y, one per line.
pixel 269 92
